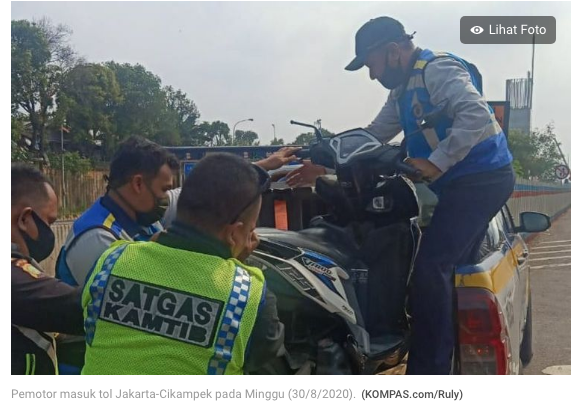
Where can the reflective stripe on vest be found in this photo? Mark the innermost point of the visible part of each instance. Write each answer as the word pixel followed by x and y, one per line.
pixel 97 288
pixel 30 364
pixel 95 217
pixel 45 344
pixel 414 104
pixel 231 322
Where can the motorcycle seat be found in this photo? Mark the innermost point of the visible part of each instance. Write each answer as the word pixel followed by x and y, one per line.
pixel 326 241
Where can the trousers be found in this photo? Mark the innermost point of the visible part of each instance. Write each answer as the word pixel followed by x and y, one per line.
pixel 453 237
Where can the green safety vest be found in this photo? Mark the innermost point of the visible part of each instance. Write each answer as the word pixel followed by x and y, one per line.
pixel 153 309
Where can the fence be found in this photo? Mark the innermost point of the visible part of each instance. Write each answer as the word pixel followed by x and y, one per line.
pixel 76 192
pixel 550 199
pixel 61 229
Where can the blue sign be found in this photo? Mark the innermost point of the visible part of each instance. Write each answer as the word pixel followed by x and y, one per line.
pixel 188 166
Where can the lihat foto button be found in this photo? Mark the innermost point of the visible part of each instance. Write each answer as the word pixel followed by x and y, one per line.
pixel 508 29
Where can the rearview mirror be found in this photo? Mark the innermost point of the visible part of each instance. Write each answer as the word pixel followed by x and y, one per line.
pixel 534 222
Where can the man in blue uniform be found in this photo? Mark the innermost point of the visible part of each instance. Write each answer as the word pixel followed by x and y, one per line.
pixel 141 174
pixel 464 155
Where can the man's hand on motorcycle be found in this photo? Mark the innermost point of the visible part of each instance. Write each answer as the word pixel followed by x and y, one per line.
pixel 279 158
pixel 306 175
pixel 428 171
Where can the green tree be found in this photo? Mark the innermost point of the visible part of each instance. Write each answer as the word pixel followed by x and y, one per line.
pixel 18 153
pixel 518 168
pixel 246 138
pixel 219 134
pixel 181 116
pixel 143 101
pixel 199 135
pixel 305 138
pixel 73 162
pixel 40 57
pixel 167 137
pixel 86 104
pixel 215 133
pixel 535 155
pixel 276 141
pixel 16 126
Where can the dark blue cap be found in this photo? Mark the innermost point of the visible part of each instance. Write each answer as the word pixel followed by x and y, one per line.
pixel 373 34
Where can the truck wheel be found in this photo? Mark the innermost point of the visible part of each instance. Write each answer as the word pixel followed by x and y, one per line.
pixel 526 349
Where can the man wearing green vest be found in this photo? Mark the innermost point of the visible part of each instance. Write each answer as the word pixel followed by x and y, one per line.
pixel 186 304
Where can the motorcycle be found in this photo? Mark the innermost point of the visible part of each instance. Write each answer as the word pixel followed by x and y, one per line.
pixel 342 284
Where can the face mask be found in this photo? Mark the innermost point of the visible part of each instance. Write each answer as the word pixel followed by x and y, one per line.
pixel 148 218
pixel 393 76
pixel 40 248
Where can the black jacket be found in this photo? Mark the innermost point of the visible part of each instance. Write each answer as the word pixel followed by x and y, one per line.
pixel 41 306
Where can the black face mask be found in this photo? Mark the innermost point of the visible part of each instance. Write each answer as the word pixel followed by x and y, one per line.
pixel 148 218
pixel 393 76
pixel 40 248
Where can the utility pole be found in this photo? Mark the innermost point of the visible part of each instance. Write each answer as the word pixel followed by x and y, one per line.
pixel 63 177
pixel 532 71
pixel 561 152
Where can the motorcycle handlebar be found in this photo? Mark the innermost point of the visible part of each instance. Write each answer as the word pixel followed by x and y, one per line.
pixel 400 166
pixel 318 134
pixel 293 122
pixel 407 169
pixel 303 153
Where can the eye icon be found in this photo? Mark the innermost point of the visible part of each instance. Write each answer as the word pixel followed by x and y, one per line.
pixel 477 30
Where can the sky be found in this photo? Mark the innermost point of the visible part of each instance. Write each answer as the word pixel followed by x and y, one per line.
pixel 276 61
